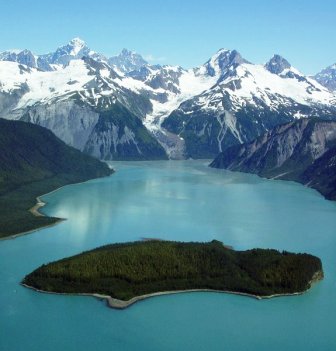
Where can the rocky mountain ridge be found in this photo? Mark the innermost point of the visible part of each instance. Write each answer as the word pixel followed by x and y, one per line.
pixel 304 151
pixel 179 113
pixel 327 77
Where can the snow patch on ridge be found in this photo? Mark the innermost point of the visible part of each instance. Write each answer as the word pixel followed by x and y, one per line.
pixel 47 85
pixel 255 80
pixel 190 85
pixel 78 44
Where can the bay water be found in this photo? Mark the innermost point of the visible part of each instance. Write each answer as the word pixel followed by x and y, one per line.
pixel 173 200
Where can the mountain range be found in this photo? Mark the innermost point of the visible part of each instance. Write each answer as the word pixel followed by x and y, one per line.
pixel 123 108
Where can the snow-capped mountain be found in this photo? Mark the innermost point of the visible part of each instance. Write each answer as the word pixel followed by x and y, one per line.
pixel 245 101
pixel 128 109
pixel 327 77
pixel 127 61
pixel 277 65
pixel 75 49
pixel 86 104
pixel 220 63
pixel 25 57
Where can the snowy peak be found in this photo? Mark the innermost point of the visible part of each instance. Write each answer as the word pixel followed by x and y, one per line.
pixel 255 85
pixel 127 61
pixel 24 57
pixel 327 77
pixel 77 45
pixel 220 63
pixel 226 58
pixel 132 55
pixel 277 64
pixel 282 68
pixel 75 49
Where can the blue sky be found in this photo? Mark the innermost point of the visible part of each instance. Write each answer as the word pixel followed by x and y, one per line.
pixel 178 32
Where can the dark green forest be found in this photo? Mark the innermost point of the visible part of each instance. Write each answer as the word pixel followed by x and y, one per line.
pixel 127 270
pixel 33 161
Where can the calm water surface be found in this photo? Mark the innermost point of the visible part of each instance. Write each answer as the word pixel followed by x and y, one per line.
pixel 181 200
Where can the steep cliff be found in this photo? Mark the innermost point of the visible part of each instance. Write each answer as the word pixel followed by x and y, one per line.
pixel 304 151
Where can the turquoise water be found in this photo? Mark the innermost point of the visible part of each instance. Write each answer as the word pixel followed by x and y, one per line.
pixel 181 200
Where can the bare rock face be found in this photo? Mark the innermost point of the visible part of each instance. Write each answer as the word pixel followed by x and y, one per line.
pixel 24 57
pixel 304 151
pixel 127 61
pixel 277 64
pixel 119 135
pixel 71 122
pixel 327 77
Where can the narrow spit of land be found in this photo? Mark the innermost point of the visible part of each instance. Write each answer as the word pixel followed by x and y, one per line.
pixel 129 272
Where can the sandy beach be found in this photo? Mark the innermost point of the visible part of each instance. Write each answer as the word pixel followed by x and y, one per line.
pixel 35 209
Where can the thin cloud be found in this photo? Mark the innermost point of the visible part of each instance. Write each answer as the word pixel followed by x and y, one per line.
pixel 152 58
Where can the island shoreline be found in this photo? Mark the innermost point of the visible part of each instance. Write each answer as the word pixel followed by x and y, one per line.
pixel 121 304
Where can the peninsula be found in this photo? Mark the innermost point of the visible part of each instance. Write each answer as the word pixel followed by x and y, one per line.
pixel 33 161
pixel 128 272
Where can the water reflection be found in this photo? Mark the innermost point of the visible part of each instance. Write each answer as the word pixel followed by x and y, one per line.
pixel 177 201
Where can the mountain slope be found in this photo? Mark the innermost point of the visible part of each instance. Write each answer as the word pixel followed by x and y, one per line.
pixel 327 77
pixel 34 161
pixel 71 102
pixel 304 151
pixel 127 61
pixel 120 135
pixel 246 101
pixel 25 57
pixel 321 175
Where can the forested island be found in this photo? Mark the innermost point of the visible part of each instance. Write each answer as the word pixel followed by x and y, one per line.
pixel 128 272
